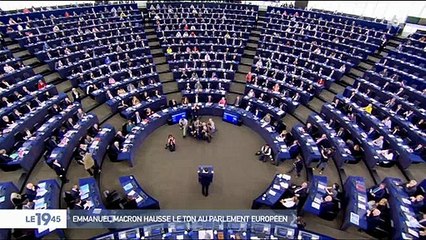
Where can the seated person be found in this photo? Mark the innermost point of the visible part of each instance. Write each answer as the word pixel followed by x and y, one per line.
pixel 333 191
pixel 30 191
pixel 130 203
pixel 300 191
pixel 114 150
pixel 388 155
pixel 327 207
pixel 374 219
pixel 265 153
pixel 410 187
pixel 417 203
pixel 376 193
pixel 222 102
pixel 267 118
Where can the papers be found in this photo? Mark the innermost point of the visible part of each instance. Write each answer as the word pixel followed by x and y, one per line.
pixel 354 218
pixel 39 203
pixel 406 201
pixel 405 209
pixel 284 185
pixel 413 232
pixel 317 200
pixel 361 206
pixel 271 192
pixel 139 199
pixel 131 193
pixel 128 186
pixel 42 185
pixel 315 205
pixel 41 192
pixel 361 199
pixel 2 198
pixel 286 177
pixel 84 189
pixel 275 186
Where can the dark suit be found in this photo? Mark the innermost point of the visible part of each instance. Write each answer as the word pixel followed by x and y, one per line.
pixel 205 179
pixel 31 194
pixel 113 153
pixel 327 209
pixel 76 97
pixel 75 194
pixel 130 204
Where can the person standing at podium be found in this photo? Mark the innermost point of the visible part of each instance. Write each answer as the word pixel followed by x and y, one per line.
pixel 205 178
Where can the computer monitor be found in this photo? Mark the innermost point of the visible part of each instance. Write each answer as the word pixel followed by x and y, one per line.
pixel 231 117
pixel 129 234
pixel 106 237
pixel 284 232
pixel 176 117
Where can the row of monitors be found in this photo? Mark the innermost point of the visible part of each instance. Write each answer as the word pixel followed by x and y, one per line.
pixel 227 117
pixel 212 231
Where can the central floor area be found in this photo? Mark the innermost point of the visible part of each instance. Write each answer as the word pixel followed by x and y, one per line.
pixel 171 177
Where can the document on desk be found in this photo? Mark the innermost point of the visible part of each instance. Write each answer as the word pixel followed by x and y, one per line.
pixel 41 192
pixel 128 186
pixel 2 199
pixel 284 185
pixel 131 193
pixel 354 218
pixel 317 200
pixel 139 199
pixel 361 199
pixel 315 205
pixel 361 206
pixel 275 186
pixel 404 209
pixel 413 232
pixel 406 201
pixel 271 192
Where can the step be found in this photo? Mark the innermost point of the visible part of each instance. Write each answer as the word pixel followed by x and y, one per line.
pixel 64 86
pixel 290 121
pixel 365 65
pixel 239 77
pixel 302 113
pixel 237 88
pixel 356 72
pixel 156 51
pixel 252 45
pixel 230 97
pixel 250 52
pixel 166 77
pixel 159 60
pixel 153 44
pixel 327 95
pixel 348 80
pixel 161 68
pixel 247 61
pixel 170 87
pixel 88 103
pixel 52 77
pixel 244 69
pixel 42 69
pixel 13 46
pixel 151 36
pixel 103 112
pixel 254 38
pixel 315 104
pixel 336 88
pixel 373 59
pixel 177 96
pixel 21 54
pixel 116 121
pixel 30 61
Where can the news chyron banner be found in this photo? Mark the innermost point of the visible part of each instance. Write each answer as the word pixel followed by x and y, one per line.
pixel 100 218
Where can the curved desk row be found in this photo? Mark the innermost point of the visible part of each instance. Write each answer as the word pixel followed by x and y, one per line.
pixel 273 193
pixel 132 188
pixel 310 150
pixel 29 120
pixel 213 231
pixel 30 152
pixel 143 130
pixel 65 150
pixel 101 143
pixel 371 154
pixel 356 207
pixel 342 154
